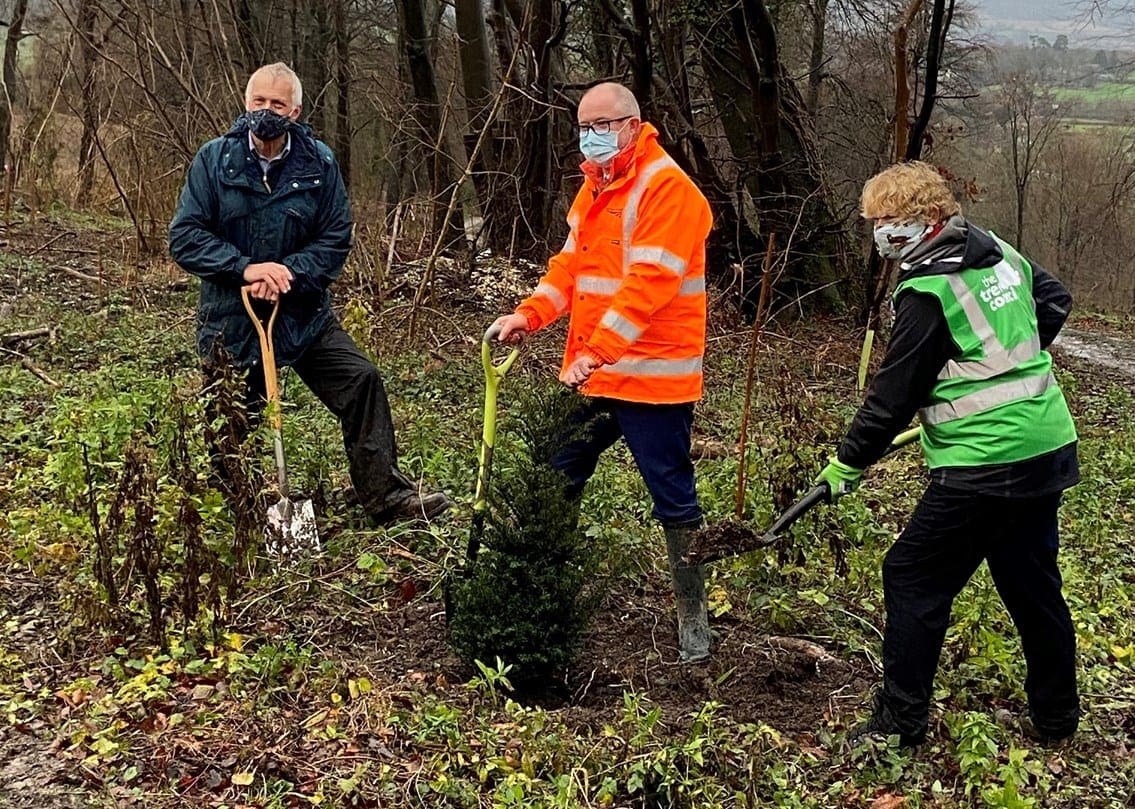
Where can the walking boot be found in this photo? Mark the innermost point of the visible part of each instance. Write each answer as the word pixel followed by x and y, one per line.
pixel 689 595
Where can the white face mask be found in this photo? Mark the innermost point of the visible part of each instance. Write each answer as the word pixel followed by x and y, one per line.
pixel 898 239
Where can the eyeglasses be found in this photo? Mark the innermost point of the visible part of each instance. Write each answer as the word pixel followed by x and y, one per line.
pixel 602 127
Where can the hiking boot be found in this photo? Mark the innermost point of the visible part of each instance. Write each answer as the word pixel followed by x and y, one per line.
pixel 414 506
pixel 877 729
pixel 1025 725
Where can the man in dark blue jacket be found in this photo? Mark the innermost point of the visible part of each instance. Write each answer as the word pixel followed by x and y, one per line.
pixel 264 206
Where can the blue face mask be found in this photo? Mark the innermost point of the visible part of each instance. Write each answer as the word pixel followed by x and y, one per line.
pixel 600 149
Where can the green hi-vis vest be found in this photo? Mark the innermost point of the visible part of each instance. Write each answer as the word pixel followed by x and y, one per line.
pixel 998 402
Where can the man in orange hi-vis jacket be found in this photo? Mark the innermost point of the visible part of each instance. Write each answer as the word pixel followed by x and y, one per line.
pixel 632 276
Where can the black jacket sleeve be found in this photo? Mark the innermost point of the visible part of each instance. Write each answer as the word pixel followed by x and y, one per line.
pixel 1053 303
pixel 919 347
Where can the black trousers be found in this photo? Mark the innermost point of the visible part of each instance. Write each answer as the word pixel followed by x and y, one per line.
pixel 949 534
pixel 349 385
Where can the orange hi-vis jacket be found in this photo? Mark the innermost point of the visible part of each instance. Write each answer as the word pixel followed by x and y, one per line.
pixel 632 275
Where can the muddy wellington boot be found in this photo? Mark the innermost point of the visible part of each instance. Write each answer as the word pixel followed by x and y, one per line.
pixel 689 595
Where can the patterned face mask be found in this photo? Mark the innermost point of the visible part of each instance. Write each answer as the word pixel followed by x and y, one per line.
pixel 896 240
pixel 266 124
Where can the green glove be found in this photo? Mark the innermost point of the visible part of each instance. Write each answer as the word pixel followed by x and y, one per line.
pixel 841 478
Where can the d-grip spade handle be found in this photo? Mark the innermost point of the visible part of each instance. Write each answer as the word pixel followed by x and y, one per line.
pixel 494 374
pixel 500 369
pixel 271 385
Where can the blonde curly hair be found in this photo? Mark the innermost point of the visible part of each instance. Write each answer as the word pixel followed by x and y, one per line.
pixel 911 190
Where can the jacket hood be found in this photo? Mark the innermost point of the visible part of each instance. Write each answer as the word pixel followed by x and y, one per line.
pixel 959 245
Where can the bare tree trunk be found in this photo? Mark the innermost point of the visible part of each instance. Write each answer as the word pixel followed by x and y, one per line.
pixel 819 9
pixel 476 63
pixel 427 111
pixel 636 32
pixel 9 79
pixel 518 209
pixel 537 137
pixel 780 170
pixel 88 58
pixel 902 81
pixel 478 86
pixel 246 28
pixel 342 88
pixel 315 38
pixel 940 20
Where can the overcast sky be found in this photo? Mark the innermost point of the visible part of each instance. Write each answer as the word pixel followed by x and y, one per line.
pixel 1018 20
pixel 1030 9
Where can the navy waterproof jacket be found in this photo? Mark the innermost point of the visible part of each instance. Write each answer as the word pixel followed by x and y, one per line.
pixel 228 217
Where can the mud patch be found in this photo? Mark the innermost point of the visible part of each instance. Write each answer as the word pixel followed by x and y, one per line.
pixel 31 775
pixel 1101 350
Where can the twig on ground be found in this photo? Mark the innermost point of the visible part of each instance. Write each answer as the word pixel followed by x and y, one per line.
pixel 48 243
pixel 27 363
pixel 30 334
pixel 82 276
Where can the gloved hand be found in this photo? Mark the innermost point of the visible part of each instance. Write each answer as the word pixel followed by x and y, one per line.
pixel 841 478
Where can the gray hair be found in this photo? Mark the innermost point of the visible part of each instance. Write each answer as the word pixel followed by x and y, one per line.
pixel 277 70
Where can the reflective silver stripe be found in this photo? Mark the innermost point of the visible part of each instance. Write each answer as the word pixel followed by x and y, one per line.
pixel 990 397
pixel 657 255
pixel 651 367
pixel 975 315
pixel 692 286
pixel 596 285
pixel 621 326
pixel 551 293
pixel 999 363
pixel 998 359
pixel 630 210
pixel 1011 256
pixel 573 226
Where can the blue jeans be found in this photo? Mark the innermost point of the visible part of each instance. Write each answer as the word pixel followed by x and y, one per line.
pixel 949 535
pixel 658 436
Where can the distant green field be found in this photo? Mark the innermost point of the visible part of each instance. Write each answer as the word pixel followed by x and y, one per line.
pixel 1100 94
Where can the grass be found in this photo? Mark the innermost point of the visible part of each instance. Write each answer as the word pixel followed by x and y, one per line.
pixel 1102 93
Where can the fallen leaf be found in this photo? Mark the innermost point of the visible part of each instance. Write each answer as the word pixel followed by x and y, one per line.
pixel 888 801
pixel 408 589
pixel 243 779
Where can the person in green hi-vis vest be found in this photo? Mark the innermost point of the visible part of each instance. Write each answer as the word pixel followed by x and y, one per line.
pixel 967 354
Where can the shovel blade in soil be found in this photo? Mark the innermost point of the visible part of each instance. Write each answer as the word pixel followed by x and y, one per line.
pixel 724 539
pixel 291 531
